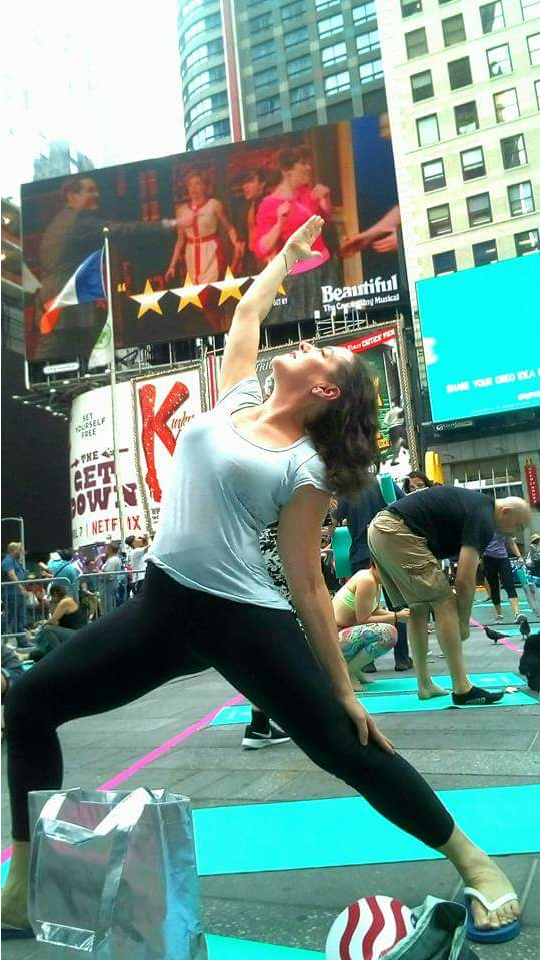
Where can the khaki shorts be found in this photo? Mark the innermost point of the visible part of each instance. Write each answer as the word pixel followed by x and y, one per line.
pixel 410 574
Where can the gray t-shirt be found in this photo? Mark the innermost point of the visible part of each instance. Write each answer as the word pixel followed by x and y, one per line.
pixel 224 491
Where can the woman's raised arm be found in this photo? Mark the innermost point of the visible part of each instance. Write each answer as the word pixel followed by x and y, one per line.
pixel 243 338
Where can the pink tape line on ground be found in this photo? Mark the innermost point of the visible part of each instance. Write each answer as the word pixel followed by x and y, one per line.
pixel 158 752
pixel 507 643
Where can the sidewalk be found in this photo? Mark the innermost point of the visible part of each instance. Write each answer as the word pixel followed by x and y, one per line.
pixel 452 748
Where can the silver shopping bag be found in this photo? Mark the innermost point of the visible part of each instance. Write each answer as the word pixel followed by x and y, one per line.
pixel 113 876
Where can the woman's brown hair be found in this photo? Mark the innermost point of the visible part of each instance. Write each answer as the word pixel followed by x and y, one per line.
pixel 345 435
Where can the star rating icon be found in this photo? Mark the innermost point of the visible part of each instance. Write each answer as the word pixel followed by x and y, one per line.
pixel 189 293
pixel 149 300
pixel 229 286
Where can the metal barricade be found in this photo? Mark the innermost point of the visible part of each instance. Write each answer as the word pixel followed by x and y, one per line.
pixel 100 593
pixel 25 603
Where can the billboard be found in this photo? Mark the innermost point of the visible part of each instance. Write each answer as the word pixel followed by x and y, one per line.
pixel 189 233
pixel 152 411
pixel 481 330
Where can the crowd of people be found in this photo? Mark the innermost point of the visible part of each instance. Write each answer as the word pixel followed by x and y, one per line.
pixel 261 614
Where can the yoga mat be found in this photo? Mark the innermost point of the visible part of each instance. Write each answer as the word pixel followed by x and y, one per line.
pixel 227 948
pixel 331 833
pixel 388 703
pixel 407 684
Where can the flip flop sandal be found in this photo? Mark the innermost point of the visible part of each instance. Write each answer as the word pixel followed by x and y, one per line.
pixel 17 933
pixel 497 934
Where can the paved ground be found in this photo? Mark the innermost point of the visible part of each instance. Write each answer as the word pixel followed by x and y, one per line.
pixel 453 749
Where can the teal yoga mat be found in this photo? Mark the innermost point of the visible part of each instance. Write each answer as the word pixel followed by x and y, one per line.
pixel 407 684
pixel 227 948
pixel 388 703
pixel 331 833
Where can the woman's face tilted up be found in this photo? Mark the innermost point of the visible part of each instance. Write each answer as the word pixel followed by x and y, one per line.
pixel 309 372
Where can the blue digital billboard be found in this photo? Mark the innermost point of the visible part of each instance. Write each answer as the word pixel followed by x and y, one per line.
pixel 481 335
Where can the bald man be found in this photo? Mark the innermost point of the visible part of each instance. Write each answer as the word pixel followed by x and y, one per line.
pixel 409 539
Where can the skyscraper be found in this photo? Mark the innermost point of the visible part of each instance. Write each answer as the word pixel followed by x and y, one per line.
pixel 463 82
pixel 253 68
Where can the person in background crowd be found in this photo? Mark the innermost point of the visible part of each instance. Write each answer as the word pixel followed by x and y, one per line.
pixel 108 586
pixel 497 569
pixel 416 480
pixel 409 539
pixel 254 186
pixel 65 616
pixel 12 669
pixel 532 559
pixel 60 565
pixel 358 514
pixel 14 597
pixel 89 590
pixel 366 630
pixel 137 560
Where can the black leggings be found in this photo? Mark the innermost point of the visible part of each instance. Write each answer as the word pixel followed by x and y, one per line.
pixel 262 652
pixel 499 569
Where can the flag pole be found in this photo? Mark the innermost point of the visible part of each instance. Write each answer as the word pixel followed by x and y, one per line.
pixel 112 368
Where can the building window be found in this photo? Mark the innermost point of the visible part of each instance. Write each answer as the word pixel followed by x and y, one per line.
pixel 433 175
pixel 506 106
pixel 520 198
pixel 372 70
pixel 428 130
pixel 530 9
pixel 492 17
pixel 459 73
pixel 416 43
pixel 300 94
pixel 208 105
pixel 466 116
pixel 265 77
pixel 479 209
pixel 323 4
pixel 485 252
pixel 260 50
pixel 410 7
pixel 201 26
pixel 334 54
pixel 293 10
pixel 364 12
pixel 444 263
pixel 421 86
pixel 472 163
pixel 527 242
pixel 330 26
pixel 295 37
pixel 203 80
pixel 499 60
pixel 367 41
pixel 453 30
pixel 537 92
pixel 191 5
pixel 439 220
pixel 533 44
pixel 268 105
pixel 262 22
pixel 337 82
pixel 204 52
pixel 298 65
pixel 514 152
pixel 214 131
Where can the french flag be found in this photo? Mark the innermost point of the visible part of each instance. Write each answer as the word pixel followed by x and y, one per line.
pixel 86 285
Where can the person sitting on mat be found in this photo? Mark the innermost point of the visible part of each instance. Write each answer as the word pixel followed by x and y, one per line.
pixel 366 630
pixel 409 539
pixel 208 599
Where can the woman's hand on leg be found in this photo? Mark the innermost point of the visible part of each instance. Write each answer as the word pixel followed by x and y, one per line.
pixel 366 726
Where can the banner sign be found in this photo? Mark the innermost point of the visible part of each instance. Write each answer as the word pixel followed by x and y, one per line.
pixel 94 504
pixel 152 412
pixel 163 406
pixel 190 232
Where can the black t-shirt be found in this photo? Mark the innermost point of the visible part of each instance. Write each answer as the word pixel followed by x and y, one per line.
pixel 449 518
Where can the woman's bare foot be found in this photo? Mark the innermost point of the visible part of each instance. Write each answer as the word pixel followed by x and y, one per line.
pixel 431 690
pixel 360 681
pixel 486 877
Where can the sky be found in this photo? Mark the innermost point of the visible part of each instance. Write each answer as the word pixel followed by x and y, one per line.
pixel 104 76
